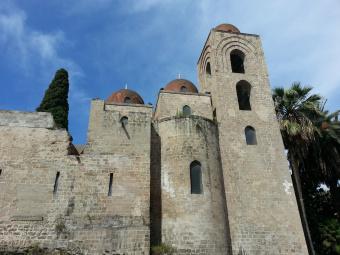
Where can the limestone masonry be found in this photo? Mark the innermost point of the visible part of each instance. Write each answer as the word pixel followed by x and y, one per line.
pixel 204 172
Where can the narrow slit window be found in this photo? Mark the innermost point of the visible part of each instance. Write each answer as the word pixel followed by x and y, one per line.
pixel 243 89
pixel 56 183
pixel 237 61
pixel 110 185
pixel 0 171
pixel 250 134
pixel 196 178
pixel 186 110
pixel 208 69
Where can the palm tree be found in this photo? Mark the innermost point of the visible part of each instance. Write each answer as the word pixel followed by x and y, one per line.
pixel 296 108
pixel 327 146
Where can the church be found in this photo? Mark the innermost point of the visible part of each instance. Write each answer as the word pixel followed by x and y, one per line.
pixel 204 171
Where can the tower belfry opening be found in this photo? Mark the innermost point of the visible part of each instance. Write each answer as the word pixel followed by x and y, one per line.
pixel 243 89
pixel 208 69
pixel 237 61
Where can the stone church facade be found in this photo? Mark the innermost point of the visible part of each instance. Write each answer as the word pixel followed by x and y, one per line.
pixel 204 172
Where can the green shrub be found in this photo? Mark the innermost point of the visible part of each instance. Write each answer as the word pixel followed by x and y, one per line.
pixel 330 236
pixel 60 227
pixel 162 249
pixel 36 250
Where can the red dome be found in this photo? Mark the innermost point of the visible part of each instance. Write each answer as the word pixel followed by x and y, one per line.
pixel 181 85
pixel 227 28
pixel 126 96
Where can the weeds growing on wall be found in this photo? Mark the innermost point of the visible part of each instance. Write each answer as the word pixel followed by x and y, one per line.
pixel 60 226
pixel 162 249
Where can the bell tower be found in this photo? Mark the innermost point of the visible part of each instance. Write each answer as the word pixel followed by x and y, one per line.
pixel 262 211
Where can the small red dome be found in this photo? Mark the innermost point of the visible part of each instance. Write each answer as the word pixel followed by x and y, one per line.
pixel 126 96
pixel 181 85
pixel 227 28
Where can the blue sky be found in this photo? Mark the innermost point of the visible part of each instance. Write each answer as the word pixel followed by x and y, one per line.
pixel 105 44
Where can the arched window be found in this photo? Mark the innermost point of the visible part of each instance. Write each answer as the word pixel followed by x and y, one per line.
pixel 127 100
pixel 124 120
pixel 186 110
pixel 208 69
pixel 243 95
pixel 184 89
pixel 250 134
pixel 196 178
pixel 237 61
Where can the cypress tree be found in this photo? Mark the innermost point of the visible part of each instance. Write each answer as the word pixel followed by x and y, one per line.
pixel 55 99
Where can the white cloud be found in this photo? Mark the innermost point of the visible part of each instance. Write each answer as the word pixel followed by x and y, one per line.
pixel 131 6
pixel 85 6
pixel 29 47
pixel 146 5
pixel 45 44
pixel 33 51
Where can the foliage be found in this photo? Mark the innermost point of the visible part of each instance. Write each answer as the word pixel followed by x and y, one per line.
pixel 163 249
pixel 295 109
pixel 55 99
pixel 320 212
pixel 36 250
pixel 330 236
pixel 312 137
pixel 60 226
pixel 326 154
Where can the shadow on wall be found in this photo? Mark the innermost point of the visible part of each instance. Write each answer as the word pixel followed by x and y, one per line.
pixel 124 121
pixel 155 190
pixel 229 244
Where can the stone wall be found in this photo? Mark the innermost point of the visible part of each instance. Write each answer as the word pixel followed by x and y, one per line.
pixel 31 154
pixel 78 215
pixel 26 119
pixel 192 223
pixel 106 135
pixel 263 213
pixel 171 104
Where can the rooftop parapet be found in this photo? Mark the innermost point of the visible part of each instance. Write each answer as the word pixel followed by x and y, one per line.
pixel 26 119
